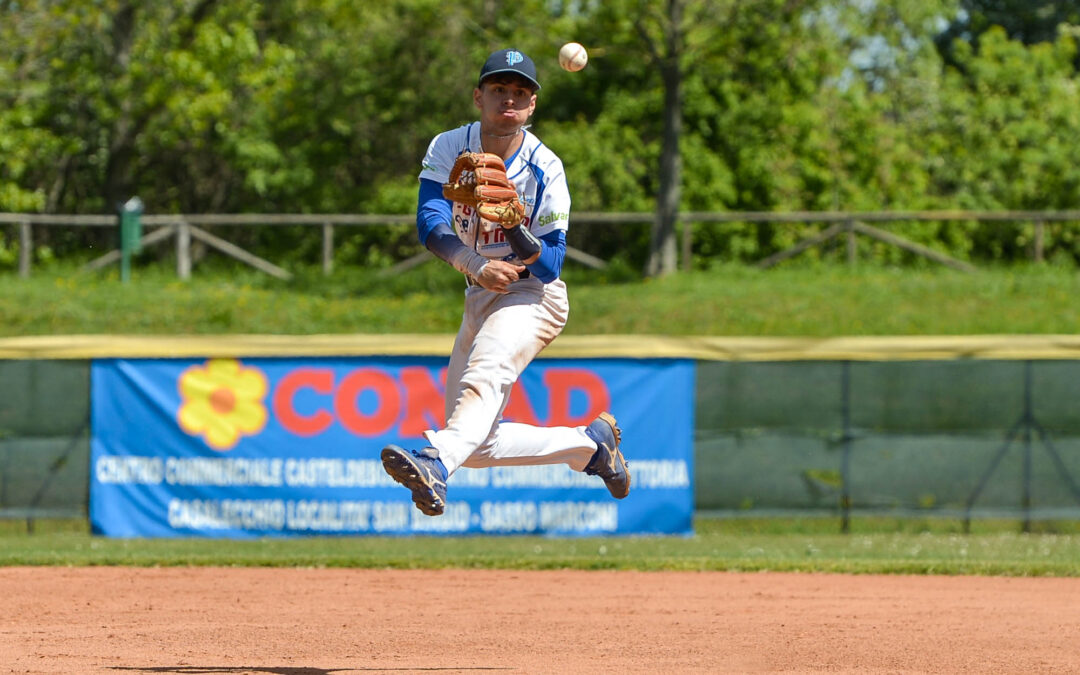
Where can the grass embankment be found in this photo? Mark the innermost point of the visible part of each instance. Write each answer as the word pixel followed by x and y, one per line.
pixel 728 301
pixel 805 545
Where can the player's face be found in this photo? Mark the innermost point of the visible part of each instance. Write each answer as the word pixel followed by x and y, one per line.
pixel 504 103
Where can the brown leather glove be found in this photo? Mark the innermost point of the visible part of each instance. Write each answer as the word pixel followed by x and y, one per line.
pixel 479 180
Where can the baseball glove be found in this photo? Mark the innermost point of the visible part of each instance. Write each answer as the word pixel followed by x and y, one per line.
pixel 479 180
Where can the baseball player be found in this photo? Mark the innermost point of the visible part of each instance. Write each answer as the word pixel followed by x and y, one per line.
pixel 494 204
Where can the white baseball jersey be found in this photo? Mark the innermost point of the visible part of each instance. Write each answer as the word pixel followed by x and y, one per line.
pixel 535 171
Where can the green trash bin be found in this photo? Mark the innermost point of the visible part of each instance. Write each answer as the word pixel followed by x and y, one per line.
pixel 130 234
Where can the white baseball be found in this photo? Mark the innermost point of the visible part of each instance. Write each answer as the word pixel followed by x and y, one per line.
pixel 573 57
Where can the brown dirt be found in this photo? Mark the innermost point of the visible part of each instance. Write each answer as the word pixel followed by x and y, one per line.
pixel 321 622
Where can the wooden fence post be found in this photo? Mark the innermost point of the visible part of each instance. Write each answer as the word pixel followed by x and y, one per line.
pixel 687 245
pixel 183 250
pixel 849 227
pixel 327 249
pixel 235 251
pixel 26 248
pixel 1040 235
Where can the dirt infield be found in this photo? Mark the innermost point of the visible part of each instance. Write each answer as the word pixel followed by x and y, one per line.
pixel 318 622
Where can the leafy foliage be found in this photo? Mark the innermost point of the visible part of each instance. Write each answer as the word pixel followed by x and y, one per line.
pixel 1028 21
pixel 322 106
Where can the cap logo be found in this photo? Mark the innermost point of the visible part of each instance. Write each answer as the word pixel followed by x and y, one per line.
pixel 513 58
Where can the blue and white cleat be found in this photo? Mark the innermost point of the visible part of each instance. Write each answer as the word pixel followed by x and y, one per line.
pixel 422 472
pixel 608 462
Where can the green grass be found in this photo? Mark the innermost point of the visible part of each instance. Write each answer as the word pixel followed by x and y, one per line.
pixel 814 300
pixel 805 545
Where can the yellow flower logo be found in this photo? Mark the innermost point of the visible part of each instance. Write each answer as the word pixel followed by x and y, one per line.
pixel 222 401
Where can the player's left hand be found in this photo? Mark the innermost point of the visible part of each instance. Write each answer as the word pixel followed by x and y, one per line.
pixel 479 180
pixel 497 275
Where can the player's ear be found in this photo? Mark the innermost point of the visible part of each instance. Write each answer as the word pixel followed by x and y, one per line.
pixel 477 97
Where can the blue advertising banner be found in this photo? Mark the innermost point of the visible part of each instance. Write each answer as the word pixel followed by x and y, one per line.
pixel 287 446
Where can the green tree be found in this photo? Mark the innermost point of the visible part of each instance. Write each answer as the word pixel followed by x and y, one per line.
pixel 686 105
pixel 735 106
pixel 1029 21
pixel 1007 130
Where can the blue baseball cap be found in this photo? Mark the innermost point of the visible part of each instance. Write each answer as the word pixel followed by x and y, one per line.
pixel 509 61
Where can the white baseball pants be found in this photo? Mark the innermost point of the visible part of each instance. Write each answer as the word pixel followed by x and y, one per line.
pixel 500 335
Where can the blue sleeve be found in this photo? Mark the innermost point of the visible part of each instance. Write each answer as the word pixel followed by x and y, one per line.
pixel 432 210
pixel 442 241
pixel 548 266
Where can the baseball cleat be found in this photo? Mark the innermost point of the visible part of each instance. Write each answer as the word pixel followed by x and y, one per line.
pixel 422 472
pixel 608 462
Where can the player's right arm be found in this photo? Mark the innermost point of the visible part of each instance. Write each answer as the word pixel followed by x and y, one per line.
pixel 434 214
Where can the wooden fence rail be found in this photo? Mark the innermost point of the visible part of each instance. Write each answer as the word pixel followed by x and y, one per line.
pixel 182 228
